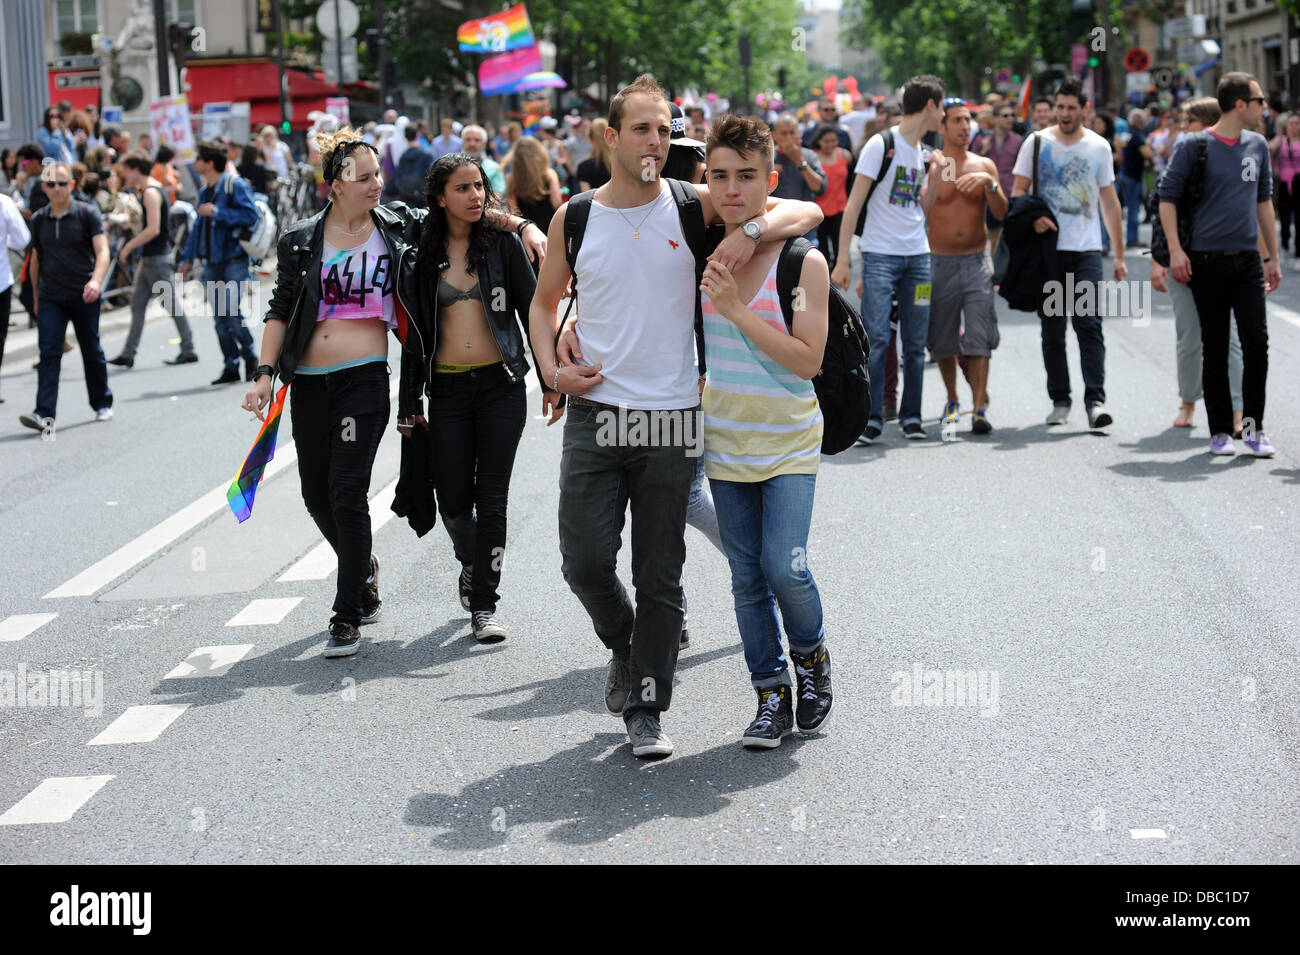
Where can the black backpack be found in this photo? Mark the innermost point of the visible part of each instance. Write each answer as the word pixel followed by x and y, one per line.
pixel 692 217
pixel 843 384
pixel 1193 192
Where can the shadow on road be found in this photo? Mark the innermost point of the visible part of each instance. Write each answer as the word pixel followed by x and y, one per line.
pixel 1197 467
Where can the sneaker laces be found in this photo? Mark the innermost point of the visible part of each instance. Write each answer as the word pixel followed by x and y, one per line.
pixel 768 709
pixel 807 680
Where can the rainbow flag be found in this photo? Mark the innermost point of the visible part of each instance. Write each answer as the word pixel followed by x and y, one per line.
pixel 241 491
pixel 1023 100
pixel 499 74
pixel 496 33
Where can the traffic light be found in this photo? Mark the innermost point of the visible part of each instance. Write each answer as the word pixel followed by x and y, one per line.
pixel 178 39
pixel 284 127
pixel 780 78
pixel 1093 62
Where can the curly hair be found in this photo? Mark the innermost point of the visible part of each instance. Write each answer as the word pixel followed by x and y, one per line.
pixel 335 147
pixel 432 257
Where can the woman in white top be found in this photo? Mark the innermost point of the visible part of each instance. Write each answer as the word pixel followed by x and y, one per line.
pixel 14 232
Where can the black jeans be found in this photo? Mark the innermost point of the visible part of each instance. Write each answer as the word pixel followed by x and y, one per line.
pixel 1287 209
pixel 338 420
pixel 475 421
pixel 1222 285
pixel 1085 267
pixel 828 238
pixel 598 478
pixel 6 300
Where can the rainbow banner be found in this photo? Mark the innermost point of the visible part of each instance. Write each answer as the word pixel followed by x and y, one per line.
pixel 499 74
pixel 242 490
pixel 496 33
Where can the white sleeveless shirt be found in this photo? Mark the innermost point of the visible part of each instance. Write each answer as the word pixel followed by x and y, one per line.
pixel 636 302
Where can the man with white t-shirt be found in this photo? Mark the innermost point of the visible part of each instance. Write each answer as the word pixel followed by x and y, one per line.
pixel 636 281
pixel 1075 169
pixel 895 250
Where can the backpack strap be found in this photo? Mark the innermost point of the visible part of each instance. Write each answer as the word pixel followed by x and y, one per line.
pixel 1037 142
pixel 575 225
pixel 789 267
pixel 691 214
pixel 886 158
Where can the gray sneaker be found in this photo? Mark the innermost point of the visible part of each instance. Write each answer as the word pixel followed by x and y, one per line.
pixel 1099 417
pixel 1060 414
pixel 486 629
pixel 647 736
pixel 618 683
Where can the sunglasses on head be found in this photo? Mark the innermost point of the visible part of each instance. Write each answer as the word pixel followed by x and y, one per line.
pixel 953 101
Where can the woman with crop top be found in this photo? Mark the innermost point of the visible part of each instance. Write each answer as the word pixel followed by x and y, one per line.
pixel 472 372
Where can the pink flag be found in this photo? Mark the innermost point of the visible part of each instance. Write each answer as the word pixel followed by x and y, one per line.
pixel 498 74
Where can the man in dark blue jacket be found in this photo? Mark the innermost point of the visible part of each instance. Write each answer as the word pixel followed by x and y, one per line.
pixel 225 210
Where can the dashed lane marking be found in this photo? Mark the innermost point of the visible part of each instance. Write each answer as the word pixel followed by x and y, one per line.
pixel 210 661
pixel 264 611
pixel 140 724
pixel 321 561
pixel 22 624
pixel 55 800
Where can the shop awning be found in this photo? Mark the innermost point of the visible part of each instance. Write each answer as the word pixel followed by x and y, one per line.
pixel 258 84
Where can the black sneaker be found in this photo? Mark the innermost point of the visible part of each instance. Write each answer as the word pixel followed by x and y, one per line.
pixel 685 640
pixel 647 736
pixel 250 369
pixel 226 377
pixel 182 359
pixel 913 431
pixel 813 674
pixel 463 584
pixel 122 360
pixel 774 722
pixel 618 681
pixel 486 630
pixel 344 640
pixel 870 435
pixel 370 602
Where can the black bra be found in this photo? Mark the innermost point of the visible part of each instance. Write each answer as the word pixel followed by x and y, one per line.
pixel 449 295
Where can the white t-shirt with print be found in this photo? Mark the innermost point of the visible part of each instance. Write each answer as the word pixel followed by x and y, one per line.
pixel 895 222
pixel 1070 178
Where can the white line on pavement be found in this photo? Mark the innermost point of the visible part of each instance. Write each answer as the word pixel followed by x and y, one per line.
pixel 54 800
pixel 1284 313
pixel 105 571
pixel 210 661
pixel 140 724
pixel 22 624
pixel 264 612
pixel 319 562
pixel 1147 833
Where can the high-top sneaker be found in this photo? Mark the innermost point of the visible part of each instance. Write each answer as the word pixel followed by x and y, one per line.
pixel 370 602
pixel 486 629
pixel 774 721
pixel 463 584
pixel 813 674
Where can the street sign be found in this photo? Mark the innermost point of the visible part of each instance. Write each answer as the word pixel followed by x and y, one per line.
pixel 77 63
pixel 1163 77
pixel 330 59
pixel 1183 28
pixel 1136 82
pixel 1137 60
pixel 348 21
pixel 78 80
pixel 1003 77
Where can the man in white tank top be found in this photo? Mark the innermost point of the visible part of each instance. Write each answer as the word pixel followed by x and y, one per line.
pixel 633 427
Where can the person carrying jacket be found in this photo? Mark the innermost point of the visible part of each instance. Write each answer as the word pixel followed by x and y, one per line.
pixel 346 277
pixel 475 286
pixel 1032 261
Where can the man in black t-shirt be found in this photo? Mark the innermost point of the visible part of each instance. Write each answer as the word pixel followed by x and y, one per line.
pixel 70 257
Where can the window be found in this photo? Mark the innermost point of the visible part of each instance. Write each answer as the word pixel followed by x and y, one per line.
pixel 183 11
pixel 4 105
pixel 76 16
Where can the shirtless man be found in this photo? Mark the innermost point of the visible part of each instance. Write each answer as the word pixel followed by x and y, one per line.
pixel 962 188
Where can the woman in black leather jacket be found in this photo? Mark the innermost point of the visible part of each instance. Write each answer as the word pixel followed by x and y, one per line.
pixel 475 285
pixel 346 276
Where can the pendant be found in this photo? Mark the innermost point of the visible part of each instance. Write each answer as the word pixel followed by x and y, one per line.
pixel 636 233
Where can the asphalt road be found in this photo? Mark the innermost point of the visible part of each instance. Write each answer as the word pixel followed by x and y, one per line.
pixel 1127 602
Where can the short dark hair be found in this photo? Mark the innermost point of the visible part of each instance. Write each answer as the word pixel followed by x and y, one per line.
pixel 921 90
pixel 1043 99
pixel 1072 86
pixel 645 84
pixel 109 133
pixel 746 135
pixel 412 133
pixel 212 152
pixel 1232 87
pixel 138 160
pixel 822 130
pixel 1206 110
pixel 30 152
pixel 164 154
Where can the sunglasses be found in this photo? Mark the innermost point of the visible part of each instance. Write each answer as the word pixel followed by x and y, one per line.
pixel 62 183
pixel 953 101
pixel 1256 99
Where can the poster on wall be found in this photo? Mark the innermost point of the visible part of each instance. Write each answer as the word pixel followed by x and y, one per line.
pixel 169 119
pixel 337 106
pixel 216 120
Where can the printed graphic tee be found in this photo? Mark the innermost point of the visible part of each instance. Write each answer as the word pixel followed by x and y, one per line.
pixel 357 283
pixel 895 223
pixel 1070 178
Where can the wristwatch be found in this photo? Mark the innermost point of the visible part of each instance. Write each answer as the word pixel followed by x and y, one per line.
pixel 803 165
pixel 992 188
pixel 752 230
pixel 264 370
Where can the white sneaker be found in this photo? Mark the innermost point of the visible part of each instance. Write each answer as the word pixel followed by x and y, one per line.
pixel 1099 417
pixel 1059 414
pixel 104 414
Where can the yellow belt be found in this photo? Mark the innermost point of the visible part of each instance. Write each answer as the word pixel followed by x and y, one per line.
pixel 447 368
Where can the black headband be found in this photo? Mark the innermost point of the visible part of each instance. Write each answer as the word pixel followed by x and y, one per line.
pixel 335 165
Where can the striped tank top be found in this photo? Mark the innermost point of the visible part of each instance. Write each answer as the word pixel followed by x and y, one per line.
pixel 761 420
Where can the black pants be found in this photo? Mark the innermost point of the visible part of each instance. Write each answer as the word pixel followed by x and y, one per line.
pixel 6 299
pixel 1224 285
pixel 1287 209
pixel 1086 268
pixel 475 421
pixel 828 238
pixel 598 479
pixel 338 420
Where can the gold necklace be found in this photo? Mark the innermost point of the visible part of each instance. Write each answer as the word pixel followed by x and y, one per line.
pixel 636 230
pixel 370 223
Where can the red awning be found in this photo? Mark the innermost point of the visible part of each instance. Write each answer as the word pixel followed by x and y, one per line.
pixel 78 87
pixel 258 84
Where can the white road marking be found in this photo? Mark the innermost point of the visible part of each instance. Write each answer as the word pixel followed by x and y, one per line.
pixel 1284 313
pixel 140 724
pixel 264 612
pixel 210 661
pixel 105 571
pixel 320 562
pixel 22 624
pixel 1147 833
pixel 55 800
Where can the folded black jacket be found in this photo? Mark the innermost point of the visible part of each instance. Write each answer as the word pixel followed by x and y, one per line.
pixel 415 498
pixel 1033 260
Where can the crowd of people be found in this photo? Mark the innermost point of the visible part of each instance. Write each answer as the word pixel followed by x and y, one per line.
pixel 681 328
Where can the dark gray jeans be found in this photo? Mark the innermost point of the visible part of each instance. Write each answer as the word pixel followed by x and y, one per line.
pixel 598 479
pixel 152 270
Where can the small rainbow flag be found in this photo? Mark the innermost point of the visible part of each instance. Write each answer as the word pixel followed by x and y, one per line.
pixel 241 491
pixel 496 33
pixel 499 74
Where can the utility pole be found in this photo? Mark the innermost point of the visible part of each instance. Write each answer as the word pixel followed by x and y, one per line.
pixel 279 59
pixel 161 47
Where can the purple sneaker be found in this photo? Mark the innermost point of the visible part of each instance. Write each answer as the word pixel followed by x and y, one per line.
pixel 1222 444
pixel 1259 445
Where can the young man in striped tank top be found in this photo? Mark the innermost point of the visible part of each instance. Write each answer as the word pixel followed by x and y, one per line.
pixel 762 441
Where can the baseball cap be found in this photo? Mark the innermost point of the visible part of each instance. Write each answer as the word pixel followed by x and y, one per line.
pixel 678 129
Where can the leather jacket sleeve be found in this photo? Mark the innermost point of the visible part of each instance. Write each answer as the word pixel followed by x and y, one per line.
pixel 523 284
pixel 410 390
pixel 287 280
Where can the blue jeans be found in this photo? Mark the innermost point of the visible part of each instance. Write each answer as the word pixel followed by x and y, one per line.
pixel 1130 197
pixel 223 283
pixel 880 274
pixel 52 324
pixel 764 529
